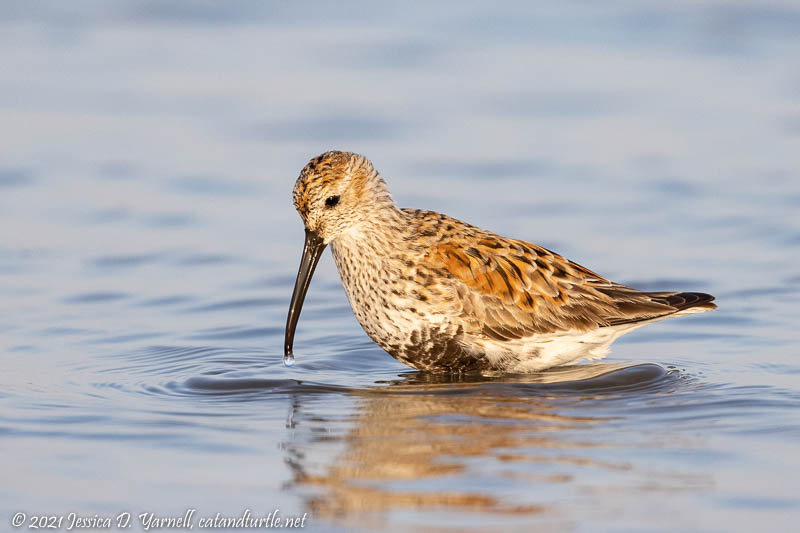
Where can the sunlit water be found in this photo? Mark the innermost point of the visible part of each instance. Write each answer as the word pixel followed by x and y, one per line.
pixel 148 248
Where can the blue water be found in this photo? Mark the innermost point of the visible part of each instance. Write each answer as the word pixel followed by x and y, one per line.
pixel 148 247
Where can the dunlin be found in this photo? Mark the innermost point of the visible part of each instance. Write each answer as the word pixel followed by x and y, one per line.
pixel 439 294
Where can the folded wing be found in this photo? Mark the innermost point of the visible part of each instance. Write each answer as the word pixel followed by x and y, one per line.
pixel 511 289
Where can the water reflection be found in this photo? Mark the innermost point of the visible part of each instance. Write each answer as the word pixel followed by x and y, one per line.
pixel 416 442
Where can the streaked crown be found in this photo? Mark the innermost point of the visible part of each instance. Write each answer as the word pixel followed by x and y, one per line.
pixel 337 190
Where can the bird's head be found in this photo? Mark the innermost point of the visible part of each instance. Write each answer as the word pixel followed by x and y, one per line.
pixel 336 191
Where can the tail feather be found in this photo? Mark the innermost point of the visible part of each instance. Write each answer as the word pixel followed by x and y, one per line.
pixel 684 300
pixel 658 305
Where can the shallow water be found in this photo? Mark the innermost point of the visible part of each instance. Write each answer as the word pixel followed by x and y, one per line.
pixel 148 248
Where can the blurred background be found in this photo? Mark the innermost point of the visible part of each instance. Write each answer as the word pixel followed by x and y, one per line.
pixel 148 247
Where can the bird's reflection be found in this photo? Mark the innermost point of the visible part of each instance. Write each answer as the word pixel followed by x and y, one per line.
pixel 441 441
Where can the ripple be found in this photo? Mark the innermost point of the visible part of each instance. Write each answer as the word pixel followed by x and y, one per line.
pixel 126 261
pixel 225 371
pixel 761 503
pixel 215 185
pixel 244 303
pixel 761 291
pixel 231 333
pixel 248 386
pixel 282 280
pixel 204 259
pixel 167 300
pixel 333 129
pixel 14 177
pixel 119 339
pixel 480 170
pixel 202 13
pixel 96 297
pixel 596 377
pixel 61 331
pixel 245 385
pixel 728 319
pixel 170 220
pixel 197 360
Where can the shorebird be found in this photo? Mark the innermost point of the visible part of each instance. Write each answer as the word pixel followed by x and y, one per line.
pixel 439 294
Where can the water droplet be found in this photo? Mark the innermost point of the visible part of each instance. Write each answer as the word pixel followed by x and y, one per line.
pixel 288 359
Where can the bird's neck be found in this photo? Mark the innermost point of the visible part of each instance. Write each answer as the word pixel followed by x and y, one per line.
pixel 377 235
pixel 371 257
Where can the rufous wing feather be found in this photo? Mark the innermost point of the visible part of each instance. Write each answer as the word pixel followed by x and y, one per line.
pixel 514 289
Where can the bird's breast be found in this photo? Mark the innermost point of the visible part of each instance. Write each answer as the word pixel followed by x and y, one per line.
pixel 375 287
pixel 397 309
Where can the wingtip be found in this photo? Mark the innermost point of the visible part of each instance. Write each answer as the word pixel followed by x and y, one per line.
pixel 687 300
pixel 692 302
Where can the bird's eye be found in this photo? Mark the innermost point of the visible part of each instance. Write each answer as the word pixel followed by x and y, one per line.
pixel 331 201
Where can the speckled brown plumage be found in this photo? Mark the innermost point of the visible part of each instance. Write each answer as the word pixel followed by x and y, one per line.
pixel 438 293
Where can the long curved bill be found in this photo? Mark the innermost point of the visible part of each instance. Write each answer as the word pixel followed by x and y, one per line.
pixel 312 250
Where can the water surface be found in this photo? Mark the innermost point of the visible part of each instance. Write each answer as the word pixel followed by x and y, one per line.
pixel 148 248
